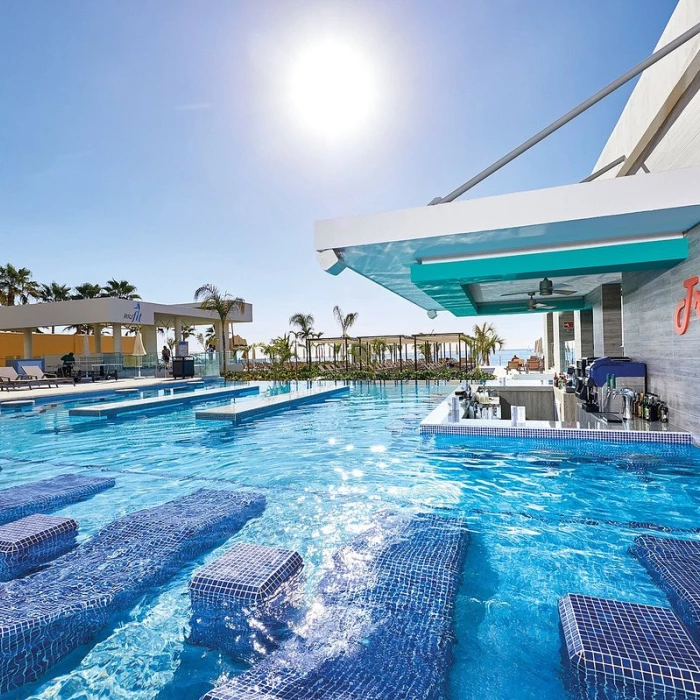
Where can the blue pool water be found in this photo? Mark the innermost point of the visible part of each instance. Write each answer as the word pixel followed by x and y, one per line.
pixel 546 519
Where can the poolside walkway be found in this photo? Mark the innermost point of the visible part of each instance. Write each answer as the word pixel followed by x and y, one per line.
pixel 86 388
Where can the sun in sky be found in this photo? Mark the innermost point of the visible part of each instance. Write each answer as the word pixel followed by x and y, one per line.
pixel 332 89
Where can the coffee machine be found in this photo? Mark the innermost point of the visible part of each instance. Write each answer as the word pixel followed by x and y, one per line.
pixel 605 377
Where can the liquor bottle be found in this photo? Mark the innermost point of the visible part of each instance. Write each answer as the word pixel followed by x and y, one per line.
pixel 654 410
pixel 647 401
pixel 640 406
pixel 663 412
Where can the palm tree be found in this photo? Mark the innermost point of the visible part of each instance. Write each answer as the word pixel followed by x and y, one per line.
pixel 379 347
pixel 17 285
pixel 121 289
pixel 87 290
pixel 345 321
pixel 279 349
pixel 51 293
pixel 305 324
pixel 222 305
pixel 484 342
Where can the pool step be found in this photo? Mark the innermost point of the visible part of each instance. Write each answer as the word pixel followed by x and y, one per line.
pixel 16 404
pixel 380 625
pixel 675 567
pixel 49 494
pixel 625 650
pixel 32 541
pixel 109 410
pixel 45 616
pixel 241 601
pixel 265 405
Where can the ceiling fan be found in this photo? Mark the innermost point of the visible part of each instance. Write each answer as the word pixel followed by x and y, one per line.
pixel 545 289
pixel 533 305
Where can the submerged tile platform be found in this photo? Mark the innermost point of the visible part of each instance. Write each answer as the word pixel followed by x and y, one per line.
pixel 16 404
pixel 675 566
pixel 381 624
pixel 619 649
pixel 34 540
pixel 240 601
pixel 270 404
pixel 49 494
pixel 438 422
pixel 114 409
pixel 45 616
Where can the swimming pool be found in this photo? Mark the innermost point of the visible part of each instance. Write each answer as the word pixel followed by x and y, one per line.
pixel 546 519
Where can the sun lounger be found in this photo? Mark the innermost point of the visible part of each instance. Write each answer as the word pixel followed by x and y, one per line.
pixel 52 612
pixel 381 623
pixel 10 379
pixel 36 374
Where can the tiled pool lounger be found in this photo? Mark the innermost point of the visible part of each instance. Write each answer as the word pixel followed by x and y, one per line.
pixel 623 650
pixel 45 616
pixel 270 404
pixel 675 566
pixel 114 409
pixel 34 540
pixel 381 624
pixel 48 494
pixel 240 602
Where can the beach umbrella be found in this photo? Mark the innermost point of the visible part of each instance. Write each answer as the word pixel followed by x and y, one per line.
pixel 139 351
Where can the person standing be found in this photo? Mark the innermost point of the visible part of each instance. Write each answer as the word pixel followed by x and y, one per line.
pixel 165 354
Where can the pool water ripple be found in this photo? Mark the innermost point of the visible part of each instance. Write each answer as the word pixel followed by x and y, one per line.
pixel 547 519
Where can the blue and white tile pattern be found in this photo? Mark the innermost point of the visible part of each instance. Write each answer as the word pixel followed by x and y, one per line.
pixel 381 624
pixel 45 616
pixel 240 602
pixel 34 540
pixel 675 566
pixel 49 494
pixel 624 650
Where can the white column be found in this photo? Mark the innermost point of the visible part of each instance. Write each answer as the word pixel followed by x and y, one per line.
pixel 562 335
pixel 117 336
pixel 583 333
pixel 97 328
pixel 178 329
pixel 28 343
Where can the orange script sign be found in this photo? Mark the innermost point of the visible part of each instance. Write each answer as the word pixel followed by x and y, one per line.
pixel 681 318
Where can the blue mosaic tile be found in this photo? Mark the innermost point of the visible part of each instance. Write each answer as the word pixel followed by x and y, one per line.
pixel 43 617
pixel 675 567
pixel 49 494
pixel 621 436
pixel 240 602
pixel 34 540
pixel 624 650
pixel 380 626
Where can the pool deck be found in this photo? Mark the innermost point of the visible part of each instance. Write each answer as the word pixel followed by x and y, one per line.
pixel 270 404
pixel 587 427
pixel 86 389
pixel 106 410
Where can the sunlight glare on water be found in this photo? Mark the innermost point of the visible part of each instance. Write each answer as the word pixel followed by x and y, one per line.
pixel 546 518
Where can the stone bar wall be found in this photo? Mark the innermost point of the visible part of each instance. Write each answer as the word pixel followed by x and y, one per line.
pixel 673 361
pixel 607 320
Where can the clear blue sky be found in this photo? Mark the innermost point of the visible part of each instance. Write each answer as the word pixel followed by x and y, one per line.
pixel 147 139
